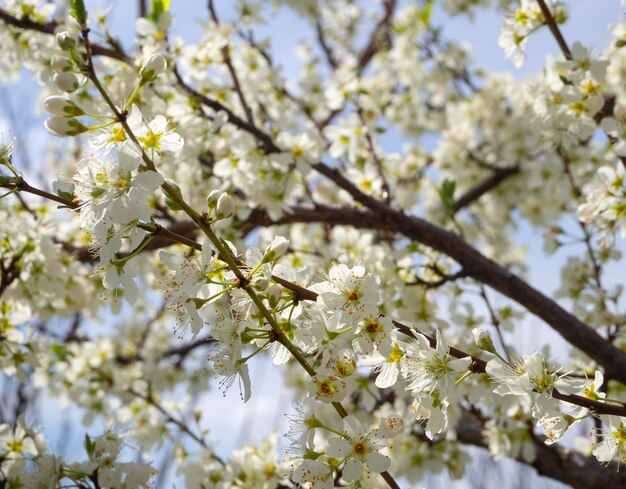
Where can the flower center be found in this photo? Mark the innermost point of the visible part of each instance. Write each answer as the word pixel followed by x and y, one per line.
pixel 359 448
pixel 353 295
pixel 372 327
pixel 119 135
pixel 152 140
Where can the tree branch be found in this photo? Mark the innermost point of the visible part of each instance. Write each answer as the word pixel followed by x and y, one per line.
pixel 49 28
pixel 562 464
pixel 301 293
pixel 480 189
pixel 377 34
pixel 477 266
pixel 554 28
pixel 323 42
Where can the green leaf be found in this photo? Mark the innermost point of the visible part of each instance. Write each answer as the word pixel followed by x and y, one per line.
pixel 157 8
pixel 565 80
pixel 78 11
pixel 426 13
pixel 89 445
pixel 446 192
pixel 61 351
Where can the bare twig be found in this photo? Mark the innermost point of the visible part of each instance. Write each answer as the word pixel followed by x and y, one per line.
pixel 480 189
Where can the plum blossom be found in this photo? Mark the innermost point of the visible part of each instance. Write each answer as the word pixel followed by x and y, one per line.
pixel 327 386
pixel 313 474
pixel 156 139
pixel 375 333
pixel 530 378
pixel 359 450
pixel 350 293
pixel 613 444
pixel 426 368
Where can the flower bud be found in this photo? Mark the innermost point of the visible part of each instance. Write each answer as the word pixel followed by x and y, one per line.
pixel 225 206
pixel 483 340
pixel 61 64
pixel 62 126
pixel 261 283
pixel 277 248
pixel 65 41
pixel 61 107
pixel 274 292
pixel 152 67
pixel 211 200
pixel 66 82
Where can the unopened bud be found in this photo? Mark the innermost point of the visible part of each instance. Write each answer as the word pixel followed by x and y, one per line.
pixel 261 283
pixel 274 292
pixel 225 206
pixel 61 64
pixel 483 340
pixel 211 200
pixel 277 248
pixel 66 82
pixel 61 107
pixel 152 67
pixel 65 41
pixel 62 126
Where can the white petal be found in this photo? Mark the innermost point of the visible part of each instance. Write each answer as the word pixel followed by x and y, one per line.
pixel 387 376
pixel 605 451
pixel 148 180
pixel 353 426
pixel 280 355
pixel 377 462
pixel 245 379
pixel 131 292
pixel 171 260
pixel 352 470
pixel 338 447
pixel 459 364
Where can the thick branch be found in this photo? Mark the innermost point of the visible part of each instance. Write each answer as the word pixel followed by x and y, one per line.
pixel 474 263
pixel 301 293
pixel 562 464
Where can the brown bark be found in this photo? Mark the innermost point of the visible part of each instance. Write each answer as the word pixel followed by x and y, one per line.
pixel 558 463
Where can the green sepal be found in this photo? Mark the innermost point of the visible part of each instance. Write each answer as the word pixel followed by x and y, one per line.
pixel 4 179
pixel 65 195
pixel 78 11
pixel 172 205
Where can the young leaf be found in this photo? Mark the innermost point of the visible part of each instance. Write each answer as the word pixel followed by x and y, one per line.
pixel 446 192
pixel 78 11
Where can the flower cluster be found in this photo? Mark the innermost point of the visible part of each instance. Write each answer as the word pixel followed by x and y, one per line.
pixel 348 224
